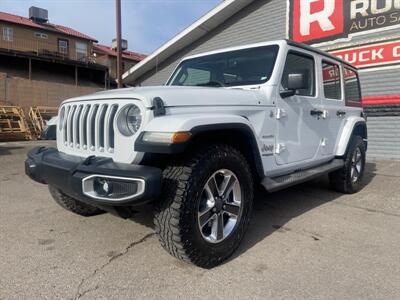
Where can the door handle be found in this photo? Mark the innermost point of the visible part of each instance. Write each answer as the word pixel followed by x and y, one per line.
pixel 340 113
pixel 316 112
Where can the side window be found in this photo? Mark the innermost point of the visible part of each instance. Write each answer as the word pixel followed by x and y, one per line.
pixel 297 63
pixel 331 81
pixel 352 89
pixel 7 34
pixel 63 46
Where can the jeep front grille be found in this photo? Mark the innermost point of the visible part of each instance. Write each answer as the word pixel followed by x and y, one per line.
pixel 88 127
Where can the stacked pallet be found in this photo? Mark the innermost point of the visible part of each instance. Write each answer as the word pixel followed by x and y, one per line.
pixel 13 125
pixel 38 116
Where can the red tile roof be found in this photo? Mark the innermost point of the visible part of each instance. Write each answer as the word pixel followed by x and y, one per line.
pixel 125 54
pixel 44 26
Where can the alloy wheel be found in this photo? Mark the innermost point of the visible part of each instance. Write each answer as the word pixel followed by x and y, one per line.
pixel 220 206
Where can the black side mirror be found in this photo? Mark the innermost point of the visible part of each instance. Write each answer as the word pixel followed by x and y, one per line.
pixel 295 81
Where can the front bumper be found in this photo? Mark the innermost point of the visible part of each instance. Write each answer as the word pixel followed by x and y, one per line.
pixel 69 173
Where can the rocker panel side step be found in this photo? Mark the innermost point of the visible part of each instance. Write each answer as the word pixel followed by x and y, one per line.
pixel 273 184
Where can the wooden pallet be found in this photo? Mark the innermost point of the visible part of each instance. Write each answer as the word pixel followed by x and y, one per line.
pixel 13 125
pixel 38 116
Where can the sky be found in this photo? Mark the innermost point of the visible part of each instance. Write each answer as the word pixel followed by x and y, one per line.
pixel 146 24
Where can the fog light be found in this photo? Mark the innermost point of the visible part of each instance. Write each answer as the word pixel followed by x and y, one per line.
pixel 102 186
pixel 112 187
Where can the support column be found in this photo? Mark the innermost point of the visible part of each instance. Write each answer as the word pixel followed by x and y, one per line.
pixel 30 69
pixel 76 75
pixel 119 50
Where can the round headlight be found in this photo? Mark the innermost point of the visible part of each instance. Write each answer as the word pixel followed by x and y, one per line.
pixel 129 120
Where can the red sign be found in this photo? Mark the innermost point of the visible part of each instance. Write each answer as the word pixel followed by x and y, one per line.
pixel 316 19
pixel 321 21
pixel 371 55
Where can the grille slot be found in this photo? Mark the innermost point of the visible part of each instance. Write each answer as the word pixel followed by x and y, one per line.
pixel 100 127
pixel 109 138
pixel 89 127
pixel 70 125
pixel 82 127
pixel 75 126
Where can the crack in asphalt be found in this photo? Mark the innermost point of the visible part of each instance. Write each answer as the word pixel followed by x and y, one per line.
pixel 386 175
pixel 369 209
pixel 80 294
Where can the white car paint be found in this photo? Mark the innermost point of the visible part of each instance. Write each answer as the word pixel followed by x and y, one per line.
pixel 295 139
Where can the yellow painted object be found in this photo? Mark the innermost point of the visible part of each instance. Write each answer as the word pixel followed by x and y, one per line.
pixel 13 125
pixel 38 116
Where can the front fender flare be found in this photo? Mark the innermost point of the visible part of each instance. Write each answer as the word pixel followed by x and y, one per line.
pixel 197 124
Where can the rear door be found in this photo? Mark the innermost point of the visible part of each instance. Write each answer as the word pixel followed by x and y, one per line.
pixel 333 107
pixel 299 129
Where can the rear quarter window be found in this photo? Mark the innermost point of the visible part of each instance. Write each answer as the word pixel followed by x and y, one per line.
pixel 352 88
pixel 331 80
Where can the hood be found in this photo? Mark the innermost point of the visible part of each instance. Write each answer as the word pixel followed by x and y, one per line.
pixel 180 96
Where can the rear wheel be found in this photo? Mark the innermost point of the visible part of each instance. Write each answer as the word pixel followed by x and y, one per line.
pixel 348 179
pixel 206 206
pixel 72 204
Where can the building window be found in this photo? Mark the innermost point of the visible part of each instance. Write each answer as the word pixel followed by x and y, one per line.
pixel 298 63
pixel 331 81
pixel 352 89
pixel 63 46
pixel 7 34
pixel 81 50
pixel 41 35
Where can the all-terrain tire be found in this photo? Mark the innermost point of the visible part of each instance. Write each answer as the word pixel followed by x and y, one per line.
pixel 72 204
pixel 342 180
pixel 175 218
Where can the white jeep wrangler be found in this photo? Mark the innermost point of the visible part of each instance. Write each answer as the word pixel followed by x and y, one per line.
pixel 276 114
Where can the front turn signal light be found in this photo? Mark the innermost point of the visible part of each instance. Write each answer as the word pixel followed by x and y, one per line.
pixel 166 137
pixel 180 137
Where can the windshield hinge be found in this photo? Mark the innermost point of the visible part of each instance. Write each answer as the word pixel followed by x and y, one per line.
pixel 158 107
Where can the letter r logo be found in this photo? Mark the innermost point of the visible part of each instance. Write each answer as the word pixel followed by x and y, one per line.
pixel 315 19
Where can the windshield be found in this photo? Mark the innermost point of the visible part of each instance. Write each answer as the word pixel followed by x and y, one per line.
pixel 234 68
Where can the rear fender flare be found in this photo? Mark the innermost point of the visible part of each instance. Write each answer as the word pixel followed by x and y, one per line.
pixel 347 132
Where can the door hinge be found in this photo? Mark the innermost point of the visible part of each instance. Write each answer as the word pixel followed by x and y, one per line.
pixel 280 113
pixel 280 148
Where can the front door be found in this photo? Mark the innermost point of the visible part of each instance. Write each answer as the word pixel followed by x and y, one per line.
pixel 298 117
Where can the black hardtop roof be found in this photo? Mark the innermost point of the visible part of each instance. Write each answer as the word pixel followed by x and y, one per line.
pixel 320 52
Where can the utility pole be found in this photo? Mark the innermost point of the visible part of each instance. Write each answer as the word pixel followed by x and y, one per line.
pixel 119 50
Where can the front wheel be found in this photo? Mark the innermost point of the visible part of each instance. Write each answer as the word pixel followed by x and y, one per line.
pixel 206 206
pixel 348 179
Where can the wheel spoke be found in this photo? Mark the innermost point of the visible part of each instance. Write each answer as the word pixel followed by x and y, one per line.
pixel 212 186
pixel 227 185
pixel 205 217
pixel 232 209
pixel 356 173
pixel 219 224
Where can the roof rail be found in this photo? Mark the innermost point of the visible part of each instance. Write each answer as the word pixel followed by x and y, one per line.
pixel 320 52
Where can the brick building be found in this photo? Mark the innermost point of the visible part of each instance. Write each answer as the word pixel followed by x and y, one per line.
pixel 42 63
pixel 107 56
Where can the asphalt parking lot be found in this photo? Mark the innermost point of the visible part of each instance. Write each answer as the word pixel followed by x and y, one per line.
pixel 306 242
